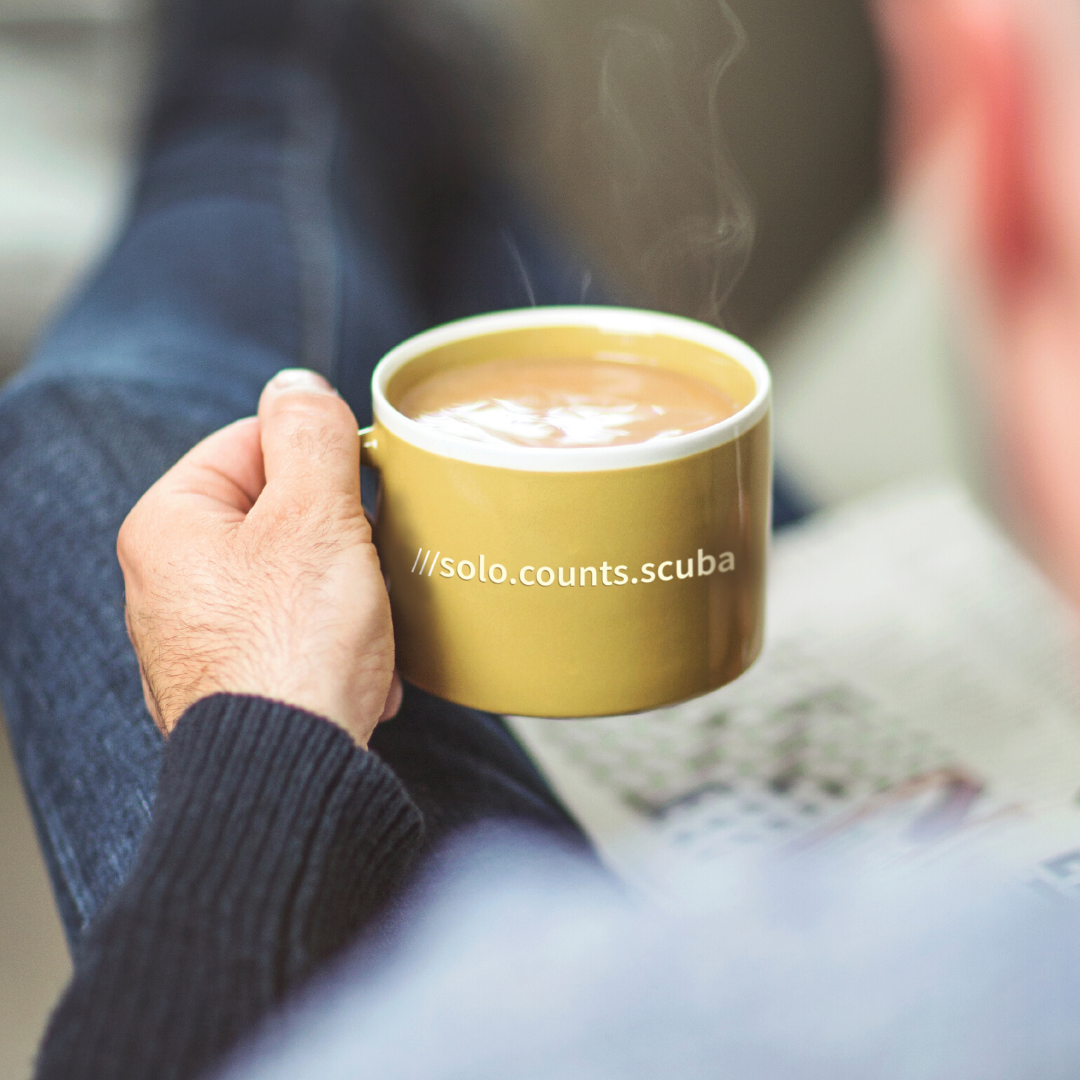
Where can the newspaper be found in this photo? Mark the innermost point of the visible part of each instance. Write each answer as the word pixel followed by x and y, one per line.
pixel 917 695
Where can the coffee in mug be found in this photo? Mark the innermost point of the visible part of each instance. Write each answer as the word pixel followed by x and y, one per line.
pixel 566 403
pixel 551 548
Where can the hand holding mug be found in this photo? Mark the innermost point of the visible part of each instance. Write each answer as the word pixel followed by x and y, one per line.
pixel 249 568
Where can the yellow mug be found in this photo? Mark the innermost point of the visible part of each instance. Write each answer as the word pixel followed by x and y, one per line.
pixel 574 582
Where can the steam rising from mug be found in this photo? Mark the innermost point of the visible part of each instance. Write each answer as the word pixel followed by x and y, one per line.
pixel 659 129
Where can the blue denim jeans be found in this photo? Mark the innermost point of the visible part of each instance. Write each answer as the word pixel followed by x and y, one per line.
pixel 277 221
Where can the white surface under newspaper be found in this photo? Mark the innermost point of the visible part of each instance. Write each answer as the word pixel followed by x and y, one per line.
pixel 916 695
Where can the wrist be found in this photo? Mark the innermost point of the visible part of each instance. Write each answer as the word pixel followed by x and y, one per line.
pixel 326 701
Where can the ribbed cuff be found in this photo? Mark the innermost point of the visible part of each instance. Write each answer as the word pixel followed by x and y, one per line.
pixel 269 802
pixel 274 838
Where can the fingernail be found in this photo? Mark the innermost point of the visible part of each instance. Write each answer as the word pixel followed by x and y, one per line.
pixel 301 379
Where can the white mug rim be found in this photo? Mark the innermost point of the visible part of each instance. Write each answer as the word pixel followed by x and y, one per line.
pixel 579 459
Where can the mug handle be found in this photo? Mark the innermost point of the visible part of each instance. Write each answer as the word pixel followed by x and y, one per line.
pixel 369 446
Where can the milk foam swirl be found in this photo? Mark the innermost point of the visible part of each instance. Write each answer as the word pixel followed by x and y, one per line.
pixel 564 404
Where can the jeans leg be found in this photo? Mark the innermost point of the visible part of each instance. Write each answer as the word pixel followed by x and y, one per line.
pixel 238 258
pixel 231 265
pixel 75 455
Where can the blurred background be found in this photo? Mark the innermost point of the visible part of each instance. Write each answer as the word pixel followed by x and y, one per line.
pixel 722 162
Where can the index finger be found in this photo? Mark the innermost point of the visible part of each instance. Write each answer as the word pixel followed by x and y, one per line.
pixel 223 472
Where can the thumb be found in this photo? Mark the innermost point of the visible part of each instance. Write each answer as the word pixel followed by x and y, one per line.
pixel 310 439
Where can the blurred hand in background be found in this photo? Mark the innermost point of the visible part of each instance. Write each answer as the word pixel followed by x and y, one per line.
pixel 986 142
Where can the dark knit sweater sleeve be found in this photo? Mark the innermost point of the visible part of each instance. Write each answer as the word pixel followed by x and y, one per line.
pixel 273 839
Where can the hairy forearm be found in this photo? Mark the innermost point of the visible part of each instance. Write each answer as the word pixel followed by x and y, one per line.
pixel 274 839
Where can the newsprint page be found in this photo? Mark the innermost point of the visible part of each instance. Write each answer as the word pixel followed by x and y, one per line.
pixel 916 695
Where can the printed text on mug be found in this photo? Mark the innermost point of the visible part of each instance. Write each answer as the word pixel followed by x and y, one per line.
pixel 431 564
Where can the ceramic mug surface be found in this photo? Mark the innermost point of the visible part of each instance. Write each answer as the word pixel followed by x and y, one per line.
pixel 574 582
